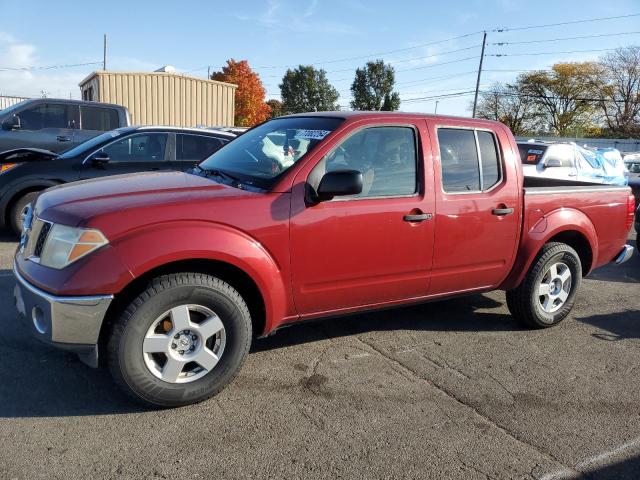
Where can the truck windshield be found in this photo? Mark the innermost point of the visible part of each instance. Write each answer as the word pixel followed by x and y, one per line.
pixel 261 155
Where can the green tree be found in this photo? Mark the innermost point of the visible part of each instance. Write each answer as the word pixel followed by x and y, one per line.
pixel 372 88
pixel 306 89
pixel 276 107
pixel 504 103
pixel 563 97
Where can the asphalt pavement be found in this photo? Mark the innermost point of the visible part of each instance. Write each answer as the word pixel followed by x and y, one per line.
pixel 453 389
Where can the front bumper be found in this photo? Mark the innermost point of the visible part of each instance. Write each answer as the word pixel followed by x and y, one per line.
pixel 70 323
pixel 624 255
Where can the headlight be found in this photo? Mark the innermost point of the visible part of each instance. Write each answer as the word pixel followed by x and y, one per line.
pixel 65 245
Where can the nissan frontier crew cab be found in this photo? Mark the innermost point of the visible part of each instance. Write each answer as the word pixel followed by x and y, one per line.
pixel 167 277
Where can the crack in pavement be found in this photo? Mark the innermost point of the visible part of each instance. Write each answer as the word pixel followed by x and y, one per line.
pixel 414 375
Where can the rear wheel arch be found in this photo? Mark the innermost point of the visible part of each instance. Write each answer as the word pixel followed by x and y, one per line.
pixel 579 242
pixel 231 274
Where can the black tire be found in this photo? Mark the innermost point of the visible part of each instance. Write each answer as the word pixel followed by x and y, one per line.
pixel 524 301
pixel 124 346
pixel 15 215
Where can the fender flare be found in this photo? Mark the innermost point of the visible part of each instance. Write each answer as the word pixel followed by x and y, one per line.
pixel 554 223
pixel 141 252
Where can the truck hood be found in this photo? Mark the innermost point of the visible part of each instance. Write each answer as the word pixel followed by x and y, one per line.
pixel 80 202
pixel 20 155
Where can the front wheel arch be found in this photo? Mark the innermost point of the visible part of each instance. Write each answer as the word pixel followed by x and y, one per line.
pixel 234 276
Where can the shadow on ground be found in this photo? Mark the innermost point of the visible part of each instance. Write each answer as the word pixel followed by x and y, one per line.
pixel 622 325
pixel 628 469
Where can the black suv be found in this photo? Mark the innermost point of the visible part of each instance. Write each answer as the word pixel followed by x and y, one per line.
pixel 57 124
pixel 26 171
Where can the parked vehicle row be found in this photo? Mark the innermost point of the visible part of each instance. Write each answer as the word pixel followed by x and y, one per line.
pixel 305 216
pixel 27 171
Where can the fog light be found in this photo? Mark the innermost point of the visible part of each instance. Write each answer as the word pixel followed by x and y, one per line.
pixel 37 316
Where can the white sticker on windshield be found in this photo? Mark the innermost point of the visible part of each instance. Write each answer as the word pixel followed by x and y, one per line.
pixel 312 134
pixel 537 152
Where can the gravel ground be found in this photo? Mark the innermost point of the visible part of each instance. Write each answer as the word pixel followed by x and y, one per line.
pixel 453 389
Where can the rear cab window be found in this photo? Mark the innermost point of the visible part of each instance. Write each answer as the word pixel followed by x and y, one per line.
pixel 99 118
pixel 469 159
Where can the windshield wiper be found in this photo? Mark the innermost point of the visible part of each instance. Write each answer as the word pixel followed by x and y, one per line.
pixel 222 174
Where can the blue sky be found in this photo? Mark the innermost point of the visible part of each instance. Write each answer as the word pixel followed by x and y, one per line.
pixel 273 34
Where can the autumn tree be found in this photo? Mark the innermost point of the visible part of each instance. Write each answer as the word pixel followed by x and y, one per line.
pixel 276 107
pixel 250 107
pixel 372 88
pixel 504 103
pixel 563 96
pixel 620 95
pixel 305 89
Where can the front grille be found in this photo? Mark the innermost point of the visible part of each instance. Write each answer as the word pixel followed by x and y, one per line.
pixel 42 238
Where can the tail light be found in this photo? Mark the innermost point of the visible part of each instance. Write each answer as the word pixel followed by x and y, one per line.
pixel 631 206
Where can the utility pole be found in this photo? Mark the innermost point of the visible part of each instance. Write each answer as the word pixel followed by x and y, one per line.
pixel 475 98
pixel 104 53
pixel 436 109
pixel 209 73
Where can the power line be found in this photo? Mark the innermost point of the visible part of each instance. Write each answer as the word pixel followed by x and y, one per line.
pixel 528 95
pixel 573 22
pixel 565 38
pixel 546 53
pixel 346 59
pixel 433 97
pixel 48 67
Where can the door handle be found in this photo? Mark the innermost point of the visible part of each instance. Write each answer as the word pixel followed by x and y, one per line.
pixel 421 217
pixel 502 211
pixel 63 138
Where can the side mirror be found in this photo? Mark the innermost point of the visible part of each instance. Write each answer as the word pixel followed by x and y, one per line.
pixel 12 123
pixel 100 159
pixel 339 183
pixel 552 163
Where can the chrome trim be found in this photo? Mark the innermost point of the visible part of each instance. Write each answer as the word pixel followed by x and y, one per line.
pixel 624 255
pixel 72 319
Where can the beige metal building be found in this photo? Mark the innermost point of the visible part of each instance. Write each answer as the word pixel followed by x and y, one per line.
pixel 164 98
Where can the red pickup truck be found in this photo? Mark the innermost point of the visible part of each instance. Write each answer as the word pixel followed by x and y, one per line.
pixel 169 276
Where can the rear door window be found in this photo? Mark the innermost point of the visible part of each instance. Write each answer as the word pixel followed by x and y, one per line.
pixel 196 147
pixel 99 118
pixel 459 160
pixel 470 160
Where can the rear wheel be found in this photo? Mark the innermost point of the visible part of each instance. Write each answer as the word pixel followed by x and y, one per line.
pixel 17 210
pixel 547 293
pixel 180 341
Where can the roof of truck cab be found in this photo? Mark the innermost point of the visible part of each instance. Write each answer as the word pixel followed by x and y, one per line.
pixel 352 115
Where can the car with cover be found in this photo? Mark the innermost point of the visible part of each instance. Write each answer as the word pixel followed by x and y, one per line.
pixel 168 277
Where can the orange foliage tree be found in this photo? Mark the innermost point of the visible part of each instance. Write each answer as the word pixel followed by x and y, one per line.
pixel 250 106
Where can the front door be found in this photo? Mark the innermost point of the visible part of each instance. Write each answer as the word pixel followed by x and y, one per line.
pixel 139 152
pixel 478 210
pixel 371 248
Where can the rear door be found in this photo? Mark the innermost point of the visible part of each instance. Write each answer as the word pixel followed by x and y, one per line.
pixel 191 149
pixel 138 152
pixel 365 249
pixel 94 121
pixel 477 207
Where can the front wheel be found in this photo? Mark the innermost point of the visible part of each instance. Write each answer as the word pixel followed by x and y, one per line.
pixel 180 341
pixel 548 291
pixel 17 211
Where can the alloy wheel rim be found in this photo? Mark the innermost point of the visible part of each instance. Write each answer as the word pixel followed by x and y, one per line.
pixel 184 344
pixel 554 287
